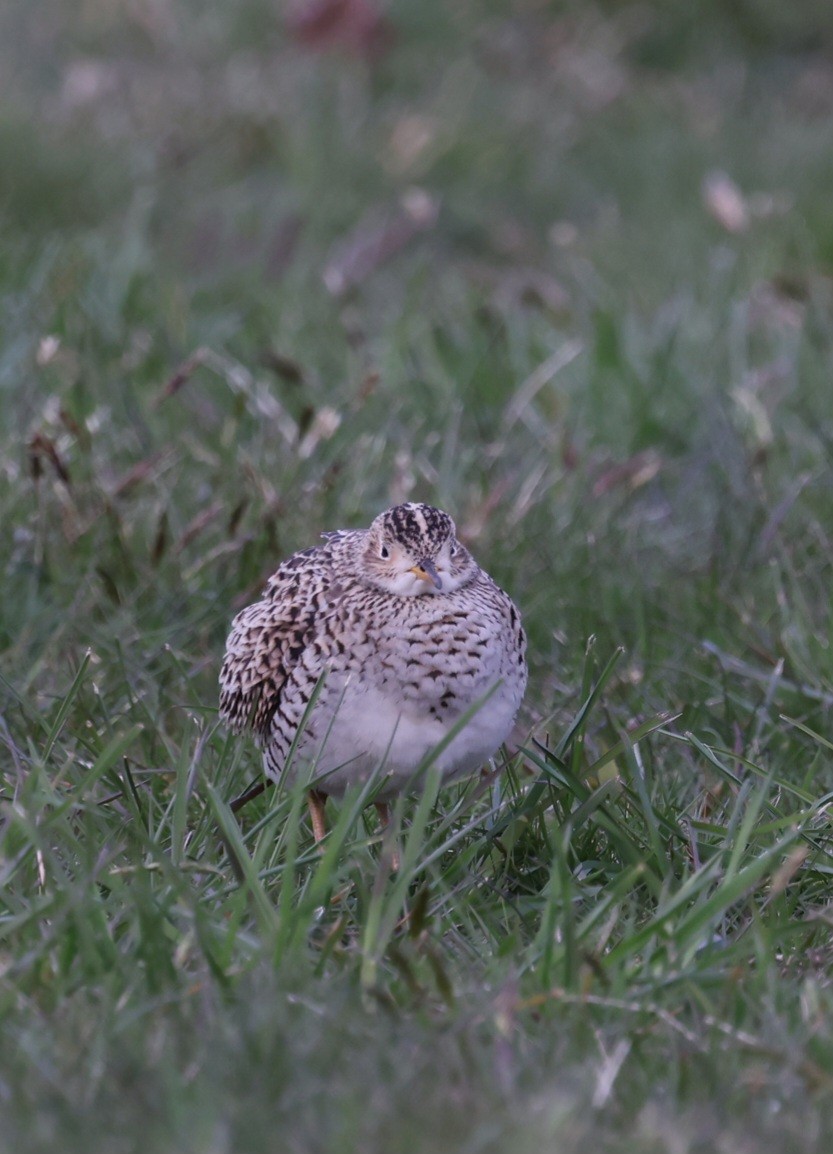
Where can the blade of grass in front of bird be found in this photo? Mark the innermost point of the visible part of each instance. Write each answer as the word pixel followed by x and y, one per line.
pixel 608 790
pixel 705 916
pixel 104 762
pixel 631 738
pixel 325 873
pixel 177 810
pixel 266 913
pixel 590 694
pixel 613 893
pixel 808 732
pixel 646 808
pixel 620 833
pixel 656 924
pixel 714 754
pixel 749 814
pixel 557 932
pixel 387 902
pixel 290 836
pixel 66 705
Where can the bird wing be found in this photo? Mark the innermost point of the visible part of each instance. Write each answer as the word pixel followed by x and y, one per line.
pixel 268 639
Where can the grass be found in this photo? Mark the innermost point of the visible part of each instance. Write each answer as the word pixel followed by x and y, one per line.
pixel 622 941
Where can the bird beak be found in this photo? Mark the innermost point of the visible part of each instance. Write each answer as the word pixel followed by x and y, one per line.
pixel 426 571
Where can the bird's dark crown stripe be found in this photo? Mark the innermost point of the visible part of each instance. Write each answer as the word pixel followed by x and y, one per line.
pixel 415 524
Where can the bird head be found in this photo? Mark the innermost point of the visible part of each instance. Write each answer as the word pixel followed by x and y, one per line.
pixel 412 550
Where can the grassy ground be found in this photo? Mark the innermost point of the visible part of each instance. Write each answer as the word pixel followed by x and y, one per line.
pixel 566 271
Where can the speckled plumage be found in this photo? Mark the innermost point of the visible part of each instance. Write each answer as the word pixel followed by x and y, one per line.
pixel 405 633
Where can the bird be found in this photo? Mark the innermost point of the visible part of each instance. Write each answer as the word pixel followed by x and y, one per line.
pixel 365 652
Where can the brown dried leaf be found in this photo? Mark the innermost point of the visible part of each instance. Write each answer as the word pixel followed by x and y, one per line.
pixel 42 446
pixel 196 525
pixel 375 241
pixel 109 583
pixel 236 516
pixel 286 368
pixel 71 425
pixel 359 26
pixel 160 542
pixel 137 474
pixel 181 376
pixel 324 424
pixel 638 470
pixel 570 456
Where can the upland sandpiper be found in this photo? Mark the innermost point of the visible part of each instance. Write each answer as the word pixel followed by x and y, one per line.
pixel 401 633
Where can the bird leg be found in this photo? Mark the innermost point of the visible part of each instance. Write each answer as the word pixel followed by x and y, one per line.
pixel 383 810
pixel 316 802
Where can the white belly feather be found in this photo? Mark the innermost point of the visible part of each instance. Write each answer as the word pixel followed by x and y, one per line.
pixel 394 743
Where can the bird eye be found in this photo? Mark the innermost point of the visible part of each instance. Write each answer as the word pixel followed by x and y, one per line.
pixel 384 552
pixel 454 550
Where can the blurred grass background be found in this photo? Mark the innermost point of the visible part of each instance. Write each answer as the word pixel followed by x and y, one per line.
pixel 565 270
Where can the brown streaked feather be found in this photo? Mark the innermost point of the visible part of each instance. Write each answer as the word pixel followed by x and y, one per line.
pixel 268 638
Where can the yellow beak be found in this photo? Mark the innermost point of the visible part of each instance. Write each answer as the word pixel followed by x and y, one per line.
pixel 426 571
